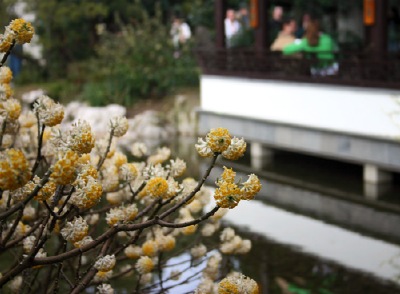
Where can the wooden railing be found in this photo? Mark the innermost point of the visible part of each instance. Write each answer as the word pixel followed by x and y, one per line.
pixel 354 68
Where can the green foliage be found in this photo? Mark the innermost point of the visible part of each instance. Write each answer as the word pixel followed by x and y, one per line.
pixel 201 13
pixel 138 62
pixel 67 30
pixel 245 38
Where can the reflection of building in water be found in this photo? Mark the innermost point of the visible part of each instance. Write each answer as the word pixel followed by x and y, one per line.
pixel 337 228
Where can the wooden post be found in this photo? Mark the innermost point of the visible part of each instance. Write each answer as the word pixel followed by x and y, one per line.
pixel 376 26
pixel 220 11
pixel 262 29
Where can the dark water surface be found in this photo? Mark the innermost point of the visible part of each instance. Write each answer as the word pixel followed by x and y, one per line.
pixel 315 226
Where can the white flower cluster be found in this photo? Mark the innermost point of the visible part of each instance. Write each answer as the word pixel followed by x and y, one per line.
pixel 233 244
pixel 119 125
pixel 105 263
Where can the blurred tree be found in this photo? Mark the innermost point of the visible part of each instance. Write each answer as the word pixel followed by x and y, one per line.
pixel 6 11
pixel 67 30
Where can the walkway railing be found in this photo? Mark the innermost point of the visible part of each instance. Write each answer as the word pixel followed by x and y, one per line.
pixel 354 68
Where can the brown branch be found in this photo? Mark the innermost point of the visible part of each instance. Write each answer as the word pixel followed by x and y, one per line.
pixel 92 272
pixel 40 143
pixel 27 261
pixel 17 240
pixel 191 195
pixel 12 229
pixel 60 266
pixel 105 236
pixel 21 205
pixel 102 159
pixel 4 59
pixel 3 129
pixel 189 223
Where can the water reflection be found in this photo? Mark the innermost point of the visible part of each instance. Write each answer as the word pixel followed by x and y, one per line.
pixel 322 233
pixel 329 242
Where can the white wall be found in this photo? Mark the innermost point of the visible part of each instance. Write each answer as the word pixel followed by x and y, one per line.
pixel 344 109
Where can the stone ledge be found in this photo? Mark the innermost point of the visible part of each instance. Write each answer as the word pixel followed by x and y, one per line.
pixel 382 153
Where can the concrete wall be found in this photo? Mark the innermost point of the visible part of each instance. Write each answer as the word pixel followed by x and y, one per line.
pixel 360 111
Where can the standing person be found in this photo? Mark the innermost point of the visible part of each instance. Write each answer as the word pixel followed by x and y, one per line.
pixel 232 26
pixel 303 26
pixel 286 35
pixel 319 44
pixel 180 33
pixel 275 24
pixel 243 16
pixel 394 30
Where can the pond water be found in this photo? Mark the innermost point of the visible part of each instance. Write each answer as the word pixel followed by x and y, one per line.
pixel 315 227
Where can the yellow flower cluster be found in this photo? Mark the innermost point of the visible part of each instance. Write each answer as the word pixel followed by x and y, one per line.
pixel 87 193
pixel 14 169
pixel 119 125
pixel 229 193
pixel 46 191
pixel 164 242
pixel 156 187
pixel 18 31
pixel 76 230
pixel 127 172
pixel 50 113
pixel 105 263
pixel 133 252
pixel 5 91
pixel 6 40
pixel 86 171
pixel 219 141
pixel 5 75
pixel 23 30
pixel 102 276
pixel 64 169
pixel 232 243
pixel 237 283
pixel 150 248
pixel 144 265
pixel 121 214
pixel 10 108
pixel 81 139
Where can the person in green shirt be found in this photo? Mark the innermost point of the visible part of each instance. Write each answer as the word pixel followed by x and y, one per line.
pixel 317 44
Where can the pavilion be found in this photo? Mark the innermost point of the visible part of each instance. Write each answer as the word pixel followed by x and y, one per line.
pixel 276 104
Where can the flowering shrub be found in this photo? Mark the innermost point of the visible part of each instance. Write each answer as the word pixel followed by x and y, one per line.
pixel 75 213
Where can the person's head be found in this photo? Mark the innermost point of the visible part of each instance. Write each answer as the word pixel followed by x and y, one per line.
pixel 177 20
pixel 305 20
pixel 230 14
pixel 277 13
pixel 312 32
pixel 289 25
pixel 243 9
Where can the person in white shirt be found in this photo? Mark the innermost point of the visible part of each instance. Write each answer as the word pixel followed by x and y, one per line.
pixel 180 32
pixel 232 26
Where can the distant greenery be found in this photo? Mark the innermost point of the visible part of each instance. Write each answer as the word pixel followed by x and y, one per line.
pixel 108 51
pixel 138 62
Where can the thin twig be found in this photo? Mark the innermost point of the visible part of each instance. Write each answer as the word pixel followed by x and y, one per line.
pixel 92 272
pixel 102 159
pixel 21 205
pixel 40 143
pixel 4 59
pixel 197 189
